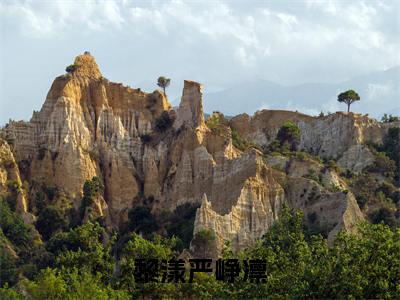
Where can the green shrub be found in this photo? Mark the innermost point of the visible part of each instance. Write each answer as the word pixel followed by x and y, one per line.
pixel 71 68
pixel 204 242
pixel 391 147
pixel 50 220
pixel 332 165
pixel 142 220
pixel 289 134
pixel 217 124
pixel 163 122
pixel 362 200
pixel 91 189
pixel 389 118
pixel 14 228
pixel 181 223
pixel 312 174
pixel 335 188
pixel 50 192
pixel 390 191
pixel 301 156
pixel 239 142
pixel 40 201
pixel 384 215
pixel 8 265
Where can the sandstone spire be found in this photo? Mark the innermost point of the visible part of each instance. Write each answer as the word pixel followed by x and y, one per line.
pixel 87 66
pixel 190 110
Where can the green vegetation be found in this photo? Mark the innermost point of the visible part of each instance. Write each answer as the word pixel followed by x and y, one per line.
pixel 88 262
pixel 50 220
pixel 239 142
pixel 287 139
pixel 91 189
pixel 163 122
pixel 313 175
pixel 219 125
pixel 21 253
pixel 180 223
pixel 204 241
pixel 71 68
pixel 163 82
pixel 141 220
pixel 50 192
pixel 348 97
pixel 388 150
pixel 389 118
pixel 384 215
pixel 289 133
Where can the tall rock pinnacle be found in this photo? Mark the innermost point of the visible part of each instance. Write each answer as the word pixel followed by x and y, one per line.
pixel 86 66
pixel 190 110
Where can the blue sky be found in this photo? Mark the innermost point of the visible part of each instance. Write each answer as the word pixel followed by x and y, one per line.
pixel 218 43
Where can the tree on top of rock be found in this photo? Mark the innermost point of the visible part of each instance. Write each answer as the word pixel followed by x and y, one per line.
pixel 348 97
pixel 163 82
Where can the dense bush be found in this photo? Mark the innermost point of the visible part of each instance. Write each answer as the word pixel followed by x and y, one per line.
pixel 91 189
pixel 389 118
pixel 50 192
pixel 84 247
pixel 163 122
pixel 384 215
pixel 298 265
pixel 68 284
pixel 181 224
pixel 142 220
pixel 14 228
pixel 391 148
pixel 239 142
pixel 20 252
pixel 289 134
pixel 51 220
pixel 71 68
pixel 204 242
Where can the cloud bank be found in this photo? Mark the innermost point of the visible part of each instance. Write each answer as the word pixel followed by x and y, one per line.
pixel 219 43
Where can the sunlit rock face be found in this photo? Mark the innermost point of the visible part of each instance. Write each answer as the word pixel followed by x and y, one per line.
pixel 190 111
pixel 340 136
pixel 146 153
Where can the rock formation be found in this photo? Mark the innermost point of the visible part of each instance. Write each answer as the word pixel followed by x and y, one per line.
pixel 145 153
pixel 339 136
pixel 190 110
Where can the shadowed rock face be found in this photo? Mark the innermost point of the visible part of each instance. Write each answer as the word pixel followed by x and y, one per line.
pixel 89 127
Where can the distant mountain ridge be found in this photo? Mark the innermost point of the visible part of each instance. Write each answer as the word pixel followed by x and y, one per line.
pixel 311 98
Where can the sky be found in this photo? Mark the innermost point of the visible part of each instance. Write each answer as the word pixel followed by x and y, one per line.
pixel 218 43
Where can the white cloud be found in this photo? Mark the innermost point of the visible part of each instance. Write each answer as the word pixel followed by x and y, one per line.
pixel 287 19
pixel 218 42
pixel 376 91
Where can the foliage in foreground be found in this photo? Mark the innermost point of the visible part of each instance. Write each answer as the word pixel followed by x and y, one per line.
pixel 89 265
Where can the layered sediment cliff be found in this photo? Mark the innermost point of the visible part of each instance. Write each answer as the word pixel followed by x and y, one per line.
pixel 145 153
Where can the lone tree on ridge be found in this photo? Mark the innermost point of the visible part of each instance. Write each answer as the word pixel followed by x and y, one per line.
pixel 163 82
pixel 348 97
